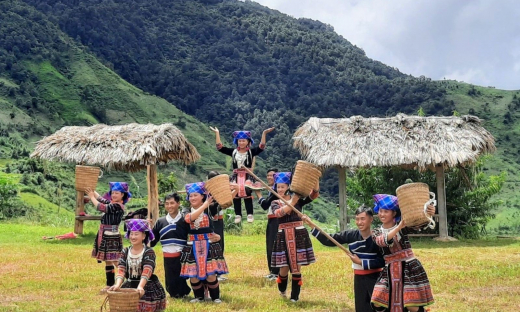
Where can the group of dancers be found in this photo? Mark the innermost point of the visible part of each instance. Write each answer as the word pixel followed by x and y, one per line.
pixel 388 277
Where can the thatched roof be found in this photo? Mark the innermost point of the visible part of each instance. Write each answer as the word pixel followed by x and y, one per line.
pixel 128 147
pixel 408 141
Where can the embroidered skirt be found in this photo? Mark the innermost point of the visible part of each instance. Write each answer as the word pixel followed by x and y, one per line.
pixel 411 287
pixel 107 247
pixel 202 259
pixel 292 247
pixel 154 298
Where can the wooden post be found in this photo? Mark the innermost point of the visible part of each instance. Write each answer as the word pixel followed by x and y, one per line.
pixel 343 215
pixel 80 207
pixel 153 193
pixel 441 202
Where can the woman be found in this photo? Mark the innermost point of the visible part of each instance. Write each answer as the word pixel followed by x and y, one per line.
pixel 292 247
pixel 410 288
pixel 201 260
pixel 242 155
pixel 137 265
pixel 109 243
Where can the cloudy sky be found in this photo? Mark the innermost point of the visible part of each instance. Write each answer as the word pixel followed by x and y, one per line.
pixel 475 41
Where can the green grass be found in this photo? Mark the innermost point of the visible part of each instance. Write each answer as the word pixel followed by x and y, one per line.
pixel 60 276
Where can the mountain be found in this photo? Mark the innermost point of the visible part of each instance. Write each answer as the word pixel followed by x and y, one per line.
pixel 239 65
pixel 232 64
pixel 49 81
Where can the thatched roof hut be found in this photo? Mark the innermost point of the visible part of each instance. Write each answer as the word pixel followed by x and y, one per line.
pixel 129 147
pixel 410 141
pixel 434 143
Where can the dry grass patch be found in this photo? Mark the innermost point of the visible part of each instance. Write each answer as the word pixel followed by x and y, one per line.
pixel 60 275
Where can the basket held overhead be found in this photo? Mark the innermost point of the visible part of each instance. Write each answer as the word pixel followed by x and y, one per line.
pixel 87 177
pixel 413 200
pixel 123 300
pixel 219 188
pixel 305 177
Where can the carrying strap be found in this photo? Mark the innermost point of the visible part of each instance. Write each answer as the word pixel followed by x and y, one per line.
pixel 432 201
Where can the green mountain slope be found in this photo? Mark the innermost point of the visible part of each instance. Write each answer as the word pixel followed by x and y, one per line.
pixel 499 110
pixel 55 83
pixel 241 65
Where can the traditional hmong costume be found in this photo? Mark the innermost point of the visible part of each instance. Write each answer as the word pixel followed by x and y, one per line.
pixel 409 286
pixel 109 243
pixel 217 221
pixel 141 266
pixel 200 258
pixel 292 246
pixel 240 176
pixel 173 234
pixel 270 231
pixel 372 262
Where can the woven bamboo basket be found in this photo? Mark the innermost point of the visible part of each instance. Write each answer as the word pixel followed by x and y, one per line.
pixel 219 188
pixel 412 198
pixel 304 178
pixel 87 177
pixel 123 300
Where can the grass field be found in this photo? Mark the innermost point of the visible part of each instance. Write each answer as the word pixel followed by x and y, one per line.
pixel 52 275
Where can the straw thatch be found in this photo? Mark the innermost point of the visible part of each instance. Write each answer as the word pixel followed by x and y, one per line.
pixel 127 147
pixel 408 141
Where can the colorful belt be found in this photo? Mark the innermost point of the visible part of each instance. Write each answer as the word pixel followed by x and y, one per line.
pixel 199 237
pixel 402 255
pixel 290 225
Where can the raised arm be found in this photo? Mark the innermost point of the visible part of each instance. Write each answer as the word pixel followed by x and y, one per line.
pixel 264 133
pixel 217 135
pixel 195 214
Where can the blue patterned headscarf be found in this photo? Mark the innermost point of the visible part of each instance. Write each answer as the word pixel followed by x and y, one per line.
pixel 281 177
pixel 197 187
pixel 119 187
pixel 139 225
pixel 242 135
pixel 387 202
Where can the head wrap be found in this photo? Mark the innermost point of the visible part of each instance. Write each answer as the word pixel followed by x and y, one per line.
pixel 197 187
pixel 242 135
pixel 281 177
pixel 387 202
pixel 139 225
pixel 119 187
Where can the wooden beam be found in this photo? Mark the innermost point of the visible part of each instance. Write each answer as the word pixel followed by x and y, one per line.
pixel 80 207
pixel 343 214
pixel 153 192
pixel 441 202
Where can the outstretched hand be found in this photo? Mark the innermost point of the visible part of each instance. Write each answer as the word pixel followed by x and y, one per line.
pixel 90 192
pixel 214 129
pixel 306 219
pixel 269 130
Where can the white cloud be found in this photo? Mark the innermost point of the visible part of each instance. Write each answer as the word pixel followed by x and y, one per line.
pixel 478 40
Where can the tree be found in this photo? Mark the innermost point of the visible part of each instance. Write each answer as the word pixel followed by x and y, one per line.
pixel 468 193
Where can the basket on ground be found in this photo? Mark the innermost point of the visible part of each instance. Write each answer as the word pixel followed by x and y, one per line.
pixel 123 300
pixel 412 198
pixel 305 177
pixel 220 189
pixel 87 177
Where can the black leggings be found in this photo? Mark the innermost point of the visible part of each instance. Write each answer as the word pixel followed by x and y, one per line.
pixel 237 203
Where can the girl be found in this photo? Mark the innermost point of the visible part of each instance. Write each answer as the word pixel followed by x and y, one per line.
pixel 242 155
pixel 137 265
pixel 201 260
pixel 410 288
pixel 292 247
pixel 109 243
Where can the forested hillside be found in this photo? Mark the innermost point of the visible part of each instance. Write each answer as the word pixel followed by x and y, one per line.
pixel 239 65
pixel 48 81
